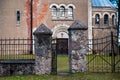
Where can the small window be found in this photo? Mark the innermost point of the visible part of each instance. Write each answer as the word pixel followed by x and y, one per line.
pixel 54 11
pixel 113 20
pixel 18 17
pixel 106 19
pixel 70 11
pixel 62 11
pixel 97 19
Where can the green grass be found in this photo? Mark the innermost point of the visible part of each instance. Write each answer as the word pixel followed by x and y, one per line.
pixel 62 63
pixel 77 76
pixel 17 56
pixel 102 63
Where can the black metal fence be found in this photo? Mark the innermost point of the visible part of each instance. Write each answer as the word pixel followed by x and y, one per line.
pixel 104 55
pixel 13 48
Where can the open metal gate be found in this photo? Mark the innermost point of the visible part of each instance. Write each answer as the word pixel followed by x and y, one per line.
pixel 104 56
pixel 59 46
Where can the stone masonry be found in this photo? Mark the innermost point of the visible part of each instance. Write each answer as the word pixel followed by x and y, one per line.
pixel 42 50
pixel 16 67
pixel 77 47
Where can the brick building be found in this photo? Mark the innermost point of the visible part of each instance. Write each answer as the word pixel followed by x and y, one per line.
pixel 57 15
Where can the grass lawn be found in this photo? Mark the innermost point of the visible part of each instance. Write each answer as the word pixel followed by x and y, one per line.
pixel 62 66
pixel 102 63
pixel 76 76
pixel 62 63
pixel 17 56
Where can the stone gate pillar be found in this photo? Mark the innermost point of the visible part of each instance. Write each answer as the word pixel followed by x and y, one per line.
pixel 43 37
pixel 77 47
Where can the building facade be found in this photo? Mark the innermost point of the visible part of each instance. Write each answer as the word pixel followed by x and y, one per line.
pixel 103 18
pixel 57 15
pixel 15 17
pixel 12 19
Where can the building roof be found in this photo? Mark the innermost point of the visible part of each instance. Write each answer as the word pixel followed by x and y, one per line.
pixel 42 29
pixel 102 3
pixel 78 25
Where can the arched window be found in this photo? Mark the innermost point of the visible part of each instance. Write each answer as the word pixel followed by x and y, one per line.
pixel 54 11
pixel 62 11
pixel 113 20
pixel 97 19
pixel 70 11
pixel 106 19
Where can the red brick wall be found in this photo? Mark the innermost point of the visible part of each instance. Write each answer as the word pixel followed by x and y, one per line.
pixel 41 14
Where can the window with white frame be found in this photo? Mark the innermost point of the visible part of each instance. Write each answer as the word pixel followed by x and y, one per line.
pixel 70 11
pixel 62 11
pixel 54 11
pixel 18 17
pixel 97 19
pixel 106 19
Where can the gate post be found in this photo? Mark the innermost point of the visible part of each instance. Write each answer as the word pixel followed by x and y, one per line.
pixel 112 53
pixel 54 57
pixel 77 47
pixel 43 37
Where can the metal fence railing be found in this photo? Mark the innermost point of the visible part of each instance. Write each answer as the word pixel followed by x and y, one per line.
pixel 13 48
pixel 104 55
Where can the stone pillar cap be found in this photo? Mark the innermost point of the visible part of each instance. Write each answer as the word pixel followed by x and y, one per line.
pixel 78 25
pixel 42 29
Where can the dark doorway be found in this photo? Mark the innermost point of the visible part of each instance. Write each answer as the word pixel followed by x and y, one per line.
pixel 62 46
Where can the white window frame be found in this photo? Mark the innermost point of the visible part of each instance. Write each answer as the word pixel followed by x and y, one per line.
pixel 97 19
pixel 62 11
pixel 70 11
pixel 54 11
pixel 106 19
